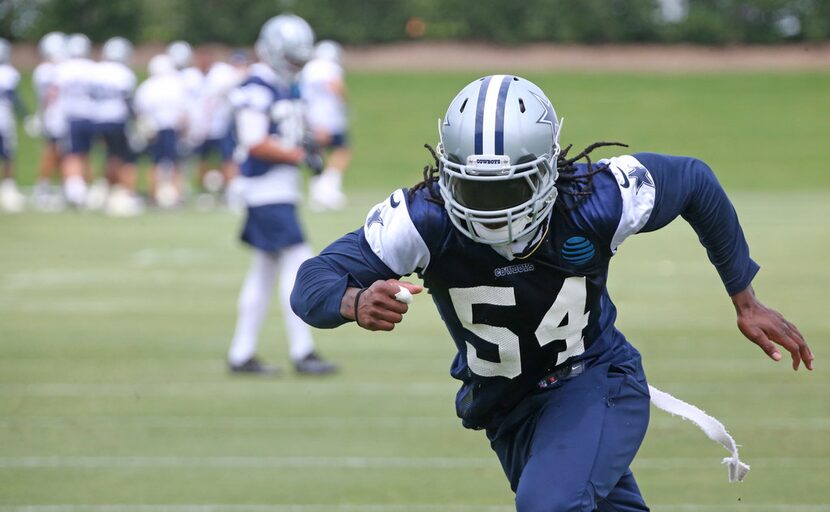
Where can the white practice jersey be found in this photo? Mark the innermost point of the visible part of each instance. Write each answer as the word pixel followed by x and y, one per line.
pixel 193 81
pixel 114 84
pixel 9 78
pixel 219 81
pixel 75 82
pixel 43 79
pixel 52 116
pixel 160 102
pixel 320 83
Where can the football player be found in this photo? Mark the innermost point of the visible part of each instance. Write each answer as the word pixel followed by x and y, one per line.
pixel 270 133
pixel 50 123
pixel 513 239
pixel 324 90
pixel 114 86
pixel 11 199
pixel 161 118
pixel 218 113
pixel 191 67
pixel 74 81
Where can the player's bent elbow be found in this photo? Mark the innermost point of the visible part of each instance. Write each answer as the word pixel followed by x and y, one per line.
pixel 308 300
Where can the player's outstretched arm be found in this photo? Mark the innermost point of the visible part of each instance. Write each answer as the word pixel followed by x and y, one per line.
pixel 765 327
pixel 376 308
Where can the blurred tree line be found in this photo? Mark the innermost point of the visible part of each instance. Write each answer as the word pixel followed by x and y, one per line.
pixel 237 22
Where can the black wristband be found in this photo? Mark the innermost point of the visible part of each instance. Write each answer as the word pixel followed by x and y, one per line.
pixel 356 299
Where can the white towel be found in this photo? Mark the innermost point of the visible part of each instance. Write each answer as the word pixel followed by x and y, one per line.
pixel 710 426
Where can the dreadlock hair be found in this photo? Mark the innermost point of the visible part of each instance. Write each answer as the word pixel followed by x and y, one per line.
pixel 579 186
pixel 430 175
pixel 569 182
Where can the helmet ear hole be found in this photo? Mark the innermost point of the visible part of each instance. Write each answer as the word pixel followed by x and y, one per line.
pixel 463 105
pixel 521 106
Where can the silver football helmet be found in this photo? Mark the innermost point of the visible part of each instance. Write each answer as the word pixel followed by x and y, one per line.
pixel 52 46
pixel 285 43
pixel 160 65
pixel 180 53
pixel 329 50
pixel 117 49
pixel 498 151
pixel 5 51
pixel 78 46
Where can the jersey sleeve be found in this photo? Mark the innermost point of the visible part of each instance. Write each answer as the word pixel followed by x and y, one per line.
pixel 252 95
pixel 391 234
pixel 388 246
pixel 637 195
pixel 687 187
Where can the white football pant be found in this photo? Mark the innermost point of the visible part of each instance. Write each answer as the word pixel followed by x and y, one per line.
pixel 255 298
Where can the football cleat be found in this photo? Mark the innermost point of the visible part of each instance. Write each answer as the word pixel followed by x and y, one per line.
pixel 325 193
pixel 254 366
pixel 11 200
pixel 313 364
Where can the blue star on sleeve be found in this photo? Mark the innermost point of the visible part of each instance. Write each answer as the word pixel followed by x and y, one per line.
pixel 375 217
pixel 641 176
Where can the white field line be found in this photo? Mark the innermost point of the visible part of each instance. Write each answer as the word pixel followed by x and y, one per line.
pixel 340 422
pixel 242 462
pixel 388 507
pixel 234 422
pixel 302 389
pixel 51 278
pixel 362 463
pixel 261 508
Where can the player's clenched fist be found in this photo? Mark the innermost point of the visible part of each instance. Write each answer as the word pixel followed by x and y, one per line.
pixel 378 307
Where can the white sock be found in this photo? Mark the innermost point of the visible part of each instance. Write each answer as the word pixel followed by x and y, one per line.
pixel 74 188
pixel 334 177
pixel 300 341
pixel 253 306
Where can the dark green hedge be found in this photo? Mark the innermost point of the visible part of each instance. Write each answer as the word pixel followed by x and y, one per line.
pixel 372 21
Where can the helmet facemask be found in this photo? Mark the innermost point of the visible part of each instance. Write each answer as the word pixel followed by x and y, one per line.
pixel 496 199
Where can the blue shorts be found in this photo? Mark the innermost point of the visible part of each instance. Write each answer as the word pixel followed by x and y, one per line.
pixel 569 447
pixel 164 147
pixel 272 227
pixel 81 132
pixel 6 152
pixel 338 140
pixel 224 146
pixel 115 138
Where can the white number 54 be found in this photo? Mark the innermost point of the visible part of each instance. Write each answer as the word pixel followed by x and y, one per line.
pixel 570 303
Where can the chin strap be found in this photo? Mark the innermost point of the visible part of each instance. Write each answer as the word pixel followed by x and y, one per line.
pixel 710 426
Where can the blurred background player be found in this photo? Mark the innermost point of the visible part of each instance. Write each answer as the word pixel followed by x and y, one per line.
pixel 11 200
pixel 324 91
pixel 50 121
pixel 161 112
pixel 114 86
pixel 191 67
pixel 74 81
pixel 218 114
pixel 270 132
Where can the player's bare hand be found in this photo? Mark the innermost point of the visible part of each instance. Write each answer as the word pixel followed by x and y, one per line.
pixel 377 309
pixel 766 327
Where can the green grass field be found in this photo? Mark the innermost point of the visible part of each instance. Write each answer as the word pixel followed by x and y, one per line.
pixel 113 390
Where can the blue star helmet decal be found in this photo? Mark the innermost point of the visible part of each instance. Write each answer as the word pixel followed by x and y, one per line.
pixel 549 116
pixel 640 175
pixel 375 218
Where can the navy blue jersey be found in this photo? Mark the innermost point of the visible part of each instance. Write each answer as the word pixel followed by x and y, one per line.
pixel 514 317
pixel 264 92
